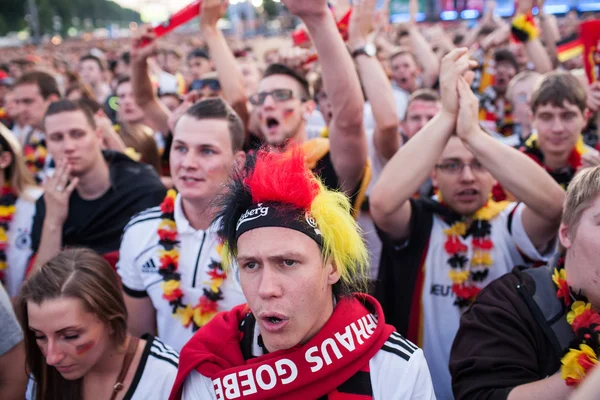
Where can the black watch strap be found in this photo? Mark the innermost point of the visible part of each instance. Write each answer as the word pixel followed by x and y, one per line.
pixel 359 52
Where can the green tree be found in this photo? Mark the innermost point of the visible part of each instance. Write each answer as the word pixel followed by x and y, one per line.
pixel 12 13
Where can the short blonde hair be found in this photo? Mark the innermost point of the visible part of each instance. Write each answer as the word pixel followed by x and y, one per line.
pixel 582 192
pixel 520 77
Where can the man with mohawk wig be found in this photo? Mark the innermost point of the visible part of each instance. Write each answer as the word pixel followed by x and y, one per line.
pixel 308 330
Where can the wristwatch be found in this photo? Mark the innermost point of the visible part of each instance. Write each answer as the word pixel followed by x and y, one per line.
pixel 369 50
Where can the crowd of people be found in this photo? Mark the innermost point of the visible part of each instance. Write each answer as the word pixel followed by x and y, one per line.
pixel 367 211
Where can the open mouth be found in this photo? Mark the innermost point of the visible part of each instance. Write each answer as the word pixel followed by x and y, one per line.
pixel 272 123
pixel 273 322
pixel 468 195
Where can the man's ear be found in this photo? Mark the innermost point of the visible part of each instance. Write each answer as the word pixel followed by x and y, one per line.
pixel 99 135
pixel 308 107
pixel 564 235
pixel 587 114
pixel 239 160
pixel 52 98
pixel 333 274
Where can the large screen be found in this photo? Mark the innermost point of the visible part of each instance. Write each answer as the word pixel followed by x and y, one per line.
pixel 448 10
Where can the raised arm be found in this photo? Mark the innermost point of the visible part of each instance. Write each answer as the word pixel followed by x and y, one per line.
pixel 422 50
pixel 143 91
pixel 230 77
pixel 413 163
pixel 348 145
pixel 536 52
pixel 375 82
pixel 516 172
pixel 487 20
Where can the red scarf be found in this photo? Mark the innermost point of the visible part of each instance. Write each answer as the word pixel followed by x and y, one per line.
pixel 344 346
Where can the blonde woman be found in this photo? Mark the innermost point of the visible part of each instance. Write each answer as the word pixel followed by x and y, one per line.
pixel 17 206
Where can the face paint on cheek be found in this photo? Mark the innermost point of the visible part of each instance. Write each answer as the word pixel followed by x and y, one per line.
pixel 288 114
pixel 84 348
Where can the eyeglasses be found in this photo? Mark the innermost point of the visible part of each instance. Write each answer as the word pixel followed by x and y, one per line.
pixel 456 167
pixel 199 84
pixel 279 95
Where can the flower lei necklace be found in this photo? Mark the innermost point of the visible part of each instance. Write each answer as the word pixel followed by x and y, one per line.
pixel 582 353
pixel 7 212
pixel 467 276
pixel 563 177
pixel 199 314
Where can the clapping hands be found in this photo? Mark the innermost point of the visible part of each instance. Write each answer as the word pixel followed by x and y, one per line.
pixel 457 97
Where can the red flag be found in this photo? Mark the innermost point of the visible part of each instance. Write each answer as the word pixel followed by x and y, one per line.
pixel 344 24
pixel 300 36
pixel 590 37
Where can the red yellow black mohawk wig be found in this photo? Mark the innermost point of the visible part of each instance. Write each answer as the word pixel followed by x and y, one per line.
pixel 279 190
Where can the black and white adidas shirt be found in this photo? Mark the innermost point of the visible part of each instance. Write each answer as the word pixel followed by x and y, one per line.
pixel 154 376
pixel 139 264
pixel 397 372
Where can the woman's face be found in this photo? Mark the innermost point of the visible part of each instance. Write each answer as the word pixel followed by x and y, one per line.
pixel 72 339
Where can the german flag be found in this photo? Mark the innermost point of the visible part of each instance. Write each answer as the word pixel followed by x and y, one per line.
pixel 569 47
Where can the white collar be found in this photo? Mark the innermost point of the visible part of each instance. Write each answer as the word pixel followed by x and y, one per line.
pixel 183 225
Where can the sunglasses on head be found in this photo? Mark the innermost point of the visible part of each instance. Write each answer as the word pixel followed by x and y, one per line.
pixel 199 84
pixel 258 99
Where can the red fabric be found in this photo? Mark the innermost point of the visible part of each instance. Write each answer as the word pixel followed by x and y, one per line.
pixel 214 351
pixel 112 258
pixel 498 193
pixel 590 37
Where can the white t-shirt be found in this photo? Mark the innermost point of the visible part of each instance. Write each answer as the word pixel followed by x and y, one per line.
pixel 139 264
pixel 19 250
pixel 401 100
pixel 398 372
pixel 441 316
pixel 154 377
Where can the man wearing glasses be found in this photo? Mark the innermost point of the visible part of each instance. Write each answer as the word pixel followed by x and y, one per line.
pixel 284 105
pixel 439 253
pixel 207 86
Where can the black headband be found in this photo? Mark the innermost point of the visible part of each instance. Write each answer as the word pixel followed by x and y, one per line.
pixel 262 215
